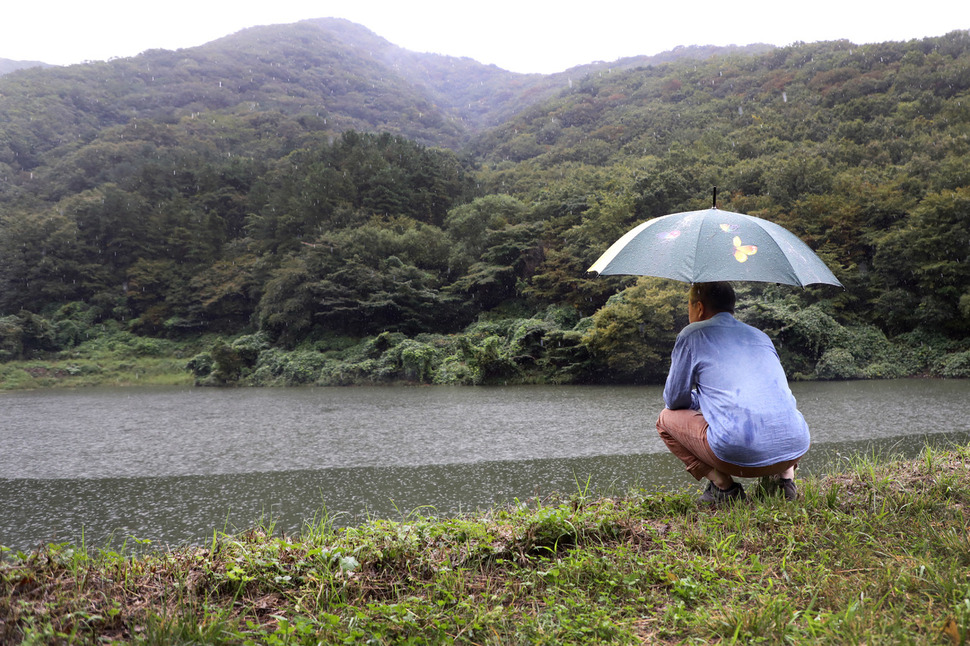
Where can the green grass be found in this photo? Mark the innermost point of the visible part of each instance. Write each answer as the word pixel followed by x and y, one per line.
pixel 113 358
pixel 74 373
pixel 877 554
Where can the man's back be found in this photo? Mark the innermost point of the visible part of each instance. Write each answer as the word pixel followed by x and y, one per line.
pixel 740 388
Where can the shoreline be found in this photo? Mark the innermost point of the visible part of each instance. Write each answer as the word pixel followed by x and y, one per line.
pixel 55 374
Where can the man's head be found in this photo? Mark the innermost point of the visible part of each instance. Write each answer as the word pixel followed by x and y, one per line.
pixel 707 299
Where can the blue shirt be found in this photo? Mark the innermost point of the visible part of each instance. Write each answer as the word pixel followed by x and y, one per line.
pixel 730 371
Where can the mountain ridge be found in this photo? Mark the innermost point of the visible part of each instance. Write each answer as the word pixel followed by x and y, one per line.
pixel 8 65
pixel 327 68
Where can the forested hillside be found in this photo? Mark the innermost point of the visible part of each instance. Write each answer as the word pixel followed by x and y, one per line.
pixel 311 204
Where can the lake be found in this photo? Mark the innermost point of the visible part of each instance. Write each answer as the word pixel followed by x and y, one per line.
pixel 172 465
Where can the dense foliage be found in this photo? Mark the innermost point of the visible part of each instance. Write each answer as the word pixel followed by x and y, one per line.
pixel 330 207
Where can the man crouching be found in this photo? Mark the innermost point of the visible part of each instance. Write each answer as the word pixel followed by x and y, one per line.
pixel 729 410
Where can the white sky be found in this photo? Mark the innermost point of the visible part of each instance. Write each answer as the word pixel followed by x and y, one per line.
pixel 517 35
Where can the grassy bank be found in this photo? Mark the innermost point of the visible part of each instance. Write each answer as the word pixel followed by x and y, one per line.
pixel 876 554
pixel 72 373
pixel 110 358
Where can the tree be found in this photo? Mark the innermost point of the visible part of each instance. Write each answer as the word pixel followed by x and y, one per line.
pixel 224 295
pixel 633 334
pixel 928 256
pixel 468 224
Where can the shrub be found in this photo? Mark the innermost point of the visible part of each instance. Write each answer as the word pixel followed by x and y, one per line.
pixel 489 358
pixel 562 316
pixel 527 340
pixel 838 363
pixel 925 352
pixel 454 370
pixel 417 360
pixel 956 365
pixel 201 364
pixel 149 347
pixel 68 333
pixel 25 333
pixel 227 365
pixel 885 370
pixel 346 373
pixel 303 367
pixel 249 346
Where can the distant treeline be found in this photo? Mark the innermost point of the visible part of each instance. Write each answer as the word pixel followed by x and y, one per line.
pixel 368 256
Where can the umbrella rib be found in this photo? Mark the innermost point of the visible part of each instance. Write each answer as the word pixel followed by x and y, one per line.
pixel 693 253
pixel 794 246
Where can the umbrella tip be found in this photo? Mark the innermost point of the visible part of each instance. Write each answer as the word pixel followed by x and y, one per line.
pixel 714 199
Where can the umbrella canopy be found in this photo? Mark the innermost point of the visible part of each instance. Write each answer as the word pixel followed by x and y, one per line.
pixel 714 245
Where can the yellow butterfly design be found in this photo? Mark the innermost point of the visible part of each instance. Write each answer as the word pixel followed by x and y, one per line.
pixel 727 228
pixel 742 251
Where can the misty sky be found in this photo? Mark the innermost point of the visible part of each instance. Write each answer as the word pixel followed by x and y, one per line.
pixel 521 36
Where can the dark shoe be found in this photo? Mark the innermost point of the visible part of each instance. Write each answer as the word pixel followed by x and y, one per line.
pixel 774 485
pixel 716 496
pixel 787 487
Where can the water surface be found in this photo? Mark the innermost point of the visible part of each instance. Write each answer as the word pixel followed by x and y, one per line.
pixel 171 465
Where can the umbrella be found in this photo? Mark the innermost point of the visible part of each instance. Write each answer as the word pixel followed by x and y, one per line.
pixel 714 245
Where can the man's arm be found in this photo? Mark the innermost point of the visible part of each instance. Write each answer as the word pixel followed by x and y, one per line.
pixel 677 391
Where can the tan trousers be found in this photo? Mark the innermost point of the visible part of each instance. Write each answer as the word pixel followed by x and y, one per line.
pixel 685 434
